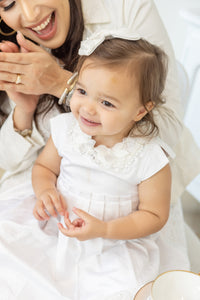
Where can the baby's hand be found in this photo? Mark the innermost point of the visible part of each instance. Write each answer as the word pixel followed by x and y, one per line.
pixel 48 203
pixel 83 228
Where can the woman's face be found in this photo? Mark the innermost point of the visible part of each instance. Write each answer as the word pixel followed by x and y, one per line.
pixel 43 21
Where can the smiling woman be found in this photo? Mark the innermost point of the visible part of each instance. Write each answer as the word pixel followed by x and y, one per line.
pixel 51 24
pixel 47 29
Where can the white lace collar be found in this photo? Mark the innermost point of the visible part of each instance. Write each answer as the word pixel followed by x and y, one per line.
pixel 118 158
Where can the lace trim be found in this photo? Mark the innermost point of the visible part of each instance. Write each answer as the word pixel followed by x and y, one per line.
pixel 118 158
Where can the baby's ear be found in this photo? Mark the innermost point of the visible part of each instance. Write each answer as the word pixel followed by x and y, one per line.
pixel 149 105
pixel 142 111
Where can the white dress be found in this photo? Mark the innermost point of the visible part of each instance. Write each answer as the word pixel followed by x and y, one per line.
pixel 38 263
pixel 140 16
pixel 103 182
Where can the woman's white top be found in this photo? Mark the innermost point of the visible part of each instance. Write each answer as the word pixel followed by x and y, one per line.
pixel 17 154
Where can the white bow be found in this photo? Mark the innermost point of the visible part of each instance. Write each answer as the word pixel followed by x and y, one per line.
pixel 92 42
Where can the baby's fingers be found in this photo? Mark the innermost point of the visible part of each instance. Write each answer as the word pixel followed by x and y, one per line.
pixel 39 211
pixel 70 232
pixel 68 223
pixel 60 205
pixel 50 206
pixel 78 222
pixel 64 230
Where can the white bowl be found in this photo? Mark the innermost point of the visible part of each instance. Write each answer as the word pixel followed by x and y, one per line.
pixel 144 292
pixel 176 285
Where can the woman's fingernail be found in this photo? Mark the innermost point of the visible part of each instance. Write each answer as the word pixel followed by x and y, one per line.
pixel 20 34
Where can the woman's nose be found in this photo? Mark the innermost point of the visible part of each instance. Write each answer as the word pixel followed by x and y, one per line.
pixel 29 10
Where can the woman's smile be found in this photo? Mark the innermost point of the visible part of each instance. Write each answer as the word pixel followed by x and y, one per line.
pixel 46 29
pixel 46 22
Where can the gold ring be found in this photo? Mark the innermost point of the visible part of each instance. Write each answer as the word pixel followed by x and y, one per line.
pixel 18 79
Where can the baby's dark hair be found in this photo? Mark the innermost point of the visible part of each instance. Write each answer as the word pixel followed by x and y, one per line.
pixel 147 62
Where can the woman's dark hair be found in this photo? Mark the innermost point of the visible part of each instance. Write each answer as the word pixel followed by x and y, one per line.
pixel 68 53
pixel 141 59
pixel 6 29
pixel 12 38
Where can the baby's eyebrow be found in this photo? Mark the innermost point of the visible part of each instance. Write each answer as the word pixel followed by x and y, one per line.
pixel 109 97
pixel 78 82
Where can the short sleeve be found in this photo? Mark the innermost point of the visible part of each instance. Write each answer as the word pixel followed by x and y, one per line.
pixel 152 161
pixel 60 126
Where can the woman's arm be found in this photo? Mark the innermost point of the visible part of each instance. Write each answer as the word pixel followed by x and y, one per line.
pixel 17 153
pixel 152 214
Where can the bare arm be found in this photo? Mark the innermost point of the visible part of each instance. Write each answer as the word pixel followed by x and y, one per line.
pixel 44 178
pixel 152 214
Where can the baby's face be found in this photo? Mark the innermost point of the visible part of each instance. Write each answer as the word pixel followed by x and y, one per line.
pixel 106 102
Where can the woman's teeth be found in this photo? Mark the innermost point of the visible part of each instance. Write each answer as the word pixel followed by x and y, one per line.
pixel 43 25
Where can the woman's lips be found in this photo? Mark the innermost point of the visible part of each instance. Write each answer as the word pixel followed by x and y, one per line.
pixel 89 122
pixel 46 29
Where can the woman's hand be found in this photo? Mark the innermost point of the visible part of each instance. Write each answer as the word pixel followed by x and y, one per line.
pixel 6 46
pixel 49 203
pixel 25 104
pixel 39 70
pixel 83 228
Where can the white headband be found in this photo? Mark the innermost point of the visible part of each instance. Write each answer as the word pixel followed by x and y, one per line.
pixel 92 42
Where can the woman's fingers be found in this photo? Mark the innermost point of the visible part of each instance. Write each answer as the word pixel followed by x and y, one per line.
pixel 26 44
pixel 17 58
pixel 11 68
pixel 41 73
pixel 7 46
pixel 9 77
